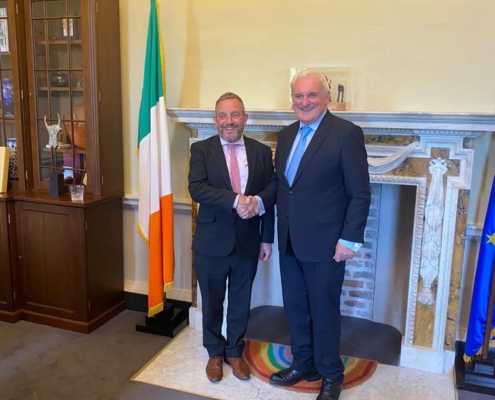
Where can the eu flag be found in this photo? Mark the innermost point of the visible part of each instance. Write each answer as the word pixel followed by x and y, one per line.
pixel 482 282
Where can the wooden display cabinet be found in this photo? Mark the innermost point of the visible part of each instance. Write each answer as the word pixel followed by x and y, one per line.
pixel 66 258
pixel 74 74
pixel 14 118
pixel 9 290
pixel 70 262
pixel 14 134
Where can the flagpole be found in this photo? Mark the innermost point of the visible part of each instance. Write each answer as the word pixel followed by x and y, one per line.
pixel 156 209
pixel 489 318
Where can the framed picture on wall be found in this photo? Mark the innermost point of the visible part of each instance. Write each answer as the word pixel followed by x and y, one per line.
pixel 339 81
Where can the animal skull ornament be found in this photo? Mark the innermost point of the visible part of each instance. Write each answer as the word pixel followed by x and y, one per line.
pixel 53 133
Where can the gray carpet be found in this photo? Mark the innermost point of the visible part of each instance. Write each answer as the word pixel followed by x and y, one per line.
pixel 42 363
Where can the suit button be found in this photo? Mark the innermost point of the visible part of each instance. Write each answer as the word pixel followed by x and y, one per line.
pixel 291 192
pixel 287 215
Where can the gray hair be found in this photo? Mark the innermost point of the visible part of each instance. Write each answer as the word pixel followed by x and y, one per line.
pixel 306 73
pixel 230 96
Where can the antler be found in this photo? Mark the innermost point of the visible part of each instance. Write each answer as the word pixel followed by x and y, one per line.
pixel 48 126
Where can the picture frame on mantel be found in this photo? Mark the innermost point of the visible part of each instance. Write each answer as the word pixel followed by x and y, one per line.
pixel 340 82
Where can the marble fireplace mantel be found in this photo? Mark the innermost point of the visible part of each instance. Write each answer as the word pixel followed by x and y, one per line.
pixel 274 120
pixel 436 156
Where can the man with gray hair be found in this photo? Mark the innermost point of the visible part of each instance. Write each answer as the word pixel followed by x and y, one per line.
pixel 322 189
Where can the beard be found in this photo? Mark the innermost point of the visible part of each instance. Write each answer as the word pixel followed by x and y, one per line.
pixel 231 132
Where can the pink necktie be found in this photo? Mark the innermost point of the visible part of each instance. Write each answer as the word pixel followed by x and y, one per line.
pixel 235 175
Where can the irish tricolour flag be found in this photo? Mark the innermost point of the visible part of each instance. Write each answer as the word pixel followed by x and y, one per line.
pixel 155 189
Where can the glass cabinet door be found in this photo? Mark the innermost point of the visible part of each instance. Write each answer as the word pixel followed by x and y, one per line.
pixel 8 98
pixel 58 99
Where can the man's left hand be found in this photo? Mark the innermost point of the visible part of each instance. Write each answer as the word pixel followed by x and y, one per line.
pixel 265 251
pixel 342 253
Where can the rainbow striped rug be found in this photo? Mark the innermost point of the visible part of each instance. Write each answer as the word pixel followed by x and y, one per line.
pixel 266 358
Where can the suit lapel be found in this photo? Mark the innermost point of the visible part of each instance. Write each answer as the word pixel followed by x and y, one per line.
pixel 251 154
pixel 319 137
pixel 219 157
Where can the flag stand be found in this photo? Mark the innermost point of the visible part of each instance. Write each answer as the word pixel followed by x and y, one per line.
pixel 169 322
pixel 479 374
pixel 489 318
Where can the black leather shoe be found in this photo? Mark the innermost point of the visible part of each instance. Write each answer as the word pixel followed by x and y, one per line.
pixel 330 390
pixel 289 377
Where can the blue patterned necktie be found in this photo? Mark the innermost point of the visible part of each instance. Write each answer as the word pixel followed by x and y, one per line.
pixel 298 153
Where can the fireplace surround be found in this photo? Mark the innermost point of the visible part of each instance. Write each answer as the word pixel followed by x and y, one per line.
pixel 433 153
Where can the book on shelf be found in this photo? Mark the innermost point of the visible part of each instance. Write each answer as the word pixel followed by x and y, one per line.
pixel 4 168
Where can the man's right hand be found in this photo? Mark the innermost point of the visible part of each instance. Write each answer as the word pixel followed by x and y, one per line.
pixel 247 207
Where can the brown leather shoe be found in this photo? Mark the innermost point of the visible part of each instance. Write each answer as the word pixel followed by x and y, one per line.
pixel 214 370
pixel 239 367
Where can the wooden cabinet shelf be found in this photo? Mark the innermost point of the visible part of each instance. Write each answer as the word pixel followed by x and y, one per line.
pixel 61 89
pixel 77 150
pixel 59 41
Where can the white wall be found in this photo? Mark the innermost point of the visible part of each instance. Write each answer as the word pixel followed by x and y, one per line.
pixel 136 255
pixel 411 55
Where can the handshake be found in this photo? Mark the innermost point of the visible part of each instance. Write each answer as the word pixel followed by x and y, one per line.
pixel 247 207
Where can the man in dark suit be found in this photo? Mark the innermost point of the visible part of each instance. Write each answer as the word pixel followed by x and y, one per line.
pixel 323 196
pixel 225 172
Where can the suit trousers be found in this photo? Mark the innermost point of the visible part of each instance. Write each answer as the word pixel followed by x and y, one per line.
pixel 213 273
pixel 311 294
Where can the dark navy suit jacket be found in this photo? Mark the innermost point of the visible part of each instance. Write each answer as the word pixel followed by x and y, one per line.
pixel 330 195
pixel 218 228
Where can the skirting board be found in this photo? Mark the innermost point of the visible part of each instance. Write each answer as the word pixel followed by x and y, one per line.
pixel 427 360
pixel 139 302
pixel 196 318
pixel 142 288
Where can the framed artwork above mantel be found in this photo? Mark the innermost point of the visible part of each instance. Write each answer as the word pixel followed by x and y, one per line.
pixel 341 83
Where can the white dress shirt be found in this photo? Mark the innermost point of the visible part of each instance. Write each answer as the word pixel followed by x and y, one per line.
pixel 240 153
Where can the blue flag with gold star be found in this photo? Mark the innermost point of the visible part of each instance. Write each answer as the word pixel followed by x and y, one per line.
pixel 482 282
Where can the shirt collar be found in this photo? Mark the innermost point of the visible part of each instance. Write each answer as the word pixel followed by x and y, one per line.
pixel 239 142
pixel 315 124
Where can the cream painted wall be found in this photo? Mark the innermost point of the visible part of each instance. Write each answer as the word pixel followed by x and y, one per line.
pixel 409 55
